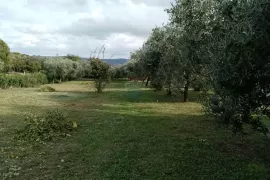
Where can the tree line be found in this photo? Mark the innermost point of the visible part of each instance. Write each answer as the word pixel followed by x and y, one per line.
pixel 213 45
pixel 54 69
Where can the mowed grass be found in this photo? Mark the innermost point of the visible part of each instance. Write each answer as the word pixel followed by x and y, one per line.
pixel 128 132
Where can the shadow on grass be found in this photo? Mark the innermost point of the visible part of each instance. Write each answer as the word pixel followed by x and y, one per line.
pixel 130 95
pixel 110 144
pixel 127 91
pixel 121 136
pixel 150 96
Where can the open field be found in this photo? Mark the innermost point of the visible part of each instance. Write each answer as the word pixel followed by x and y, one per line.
pixel 128 132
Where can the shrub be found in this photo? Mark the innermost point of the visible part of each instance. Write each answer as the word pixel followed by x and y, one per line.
pixel 45 128
pixel 228 111
pixel 101 73
pixel 46 89
pixel 22 80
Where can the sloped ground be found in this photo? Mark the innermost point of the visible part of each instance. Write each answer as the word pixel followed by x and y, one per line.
pixel 128 132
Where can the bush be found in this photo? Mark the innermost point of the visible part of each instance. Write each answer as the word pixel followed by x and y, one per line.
pixel 22 80
pixel 45 128
pixel 226 110
pixel 101 73
pixel 46 89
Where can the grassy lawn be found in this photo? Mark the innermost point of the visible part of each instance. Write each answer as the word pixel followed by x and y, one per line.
pixel 128 132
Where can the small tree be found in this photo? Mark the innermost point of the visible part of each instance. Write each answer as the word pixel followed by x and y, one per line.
pixel 100 71
pixel 190 19
pixel 150 57
pixel 4 52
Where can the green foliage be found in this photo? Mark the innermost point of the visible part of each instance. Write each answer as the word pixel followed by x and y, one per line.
pixel 45 128
pixel 150 56
pixel 133 69
pixel 187 39
pixel 2 66
pixel 100 71
pixel 86 72
pixel 73 57
pixel 4 52
pixel 201 83
pixel 46 89
pixel 63 69
pixel 22 80
pixel 13 171
pixel 145 63
pixel 240 66
pixel 173 54
pixel 157 83
pixel 119 72
pixel 24 63
pixel 228 111
pixel 197 85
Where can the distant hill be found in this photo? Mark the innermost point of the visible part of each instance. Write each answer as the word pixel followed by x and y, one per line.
pixel 119 61
pixel 115 61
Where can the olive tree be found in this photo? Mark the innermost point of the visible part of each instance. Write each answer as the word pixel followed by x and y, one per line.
pixel 4 55
pixel 187 38
pixel 170 69
pixel 49 66
pixel 100 71
pixel 4 52
pixel 151 55
pixel 24 63
pixel 134 68
pixel 63 69
pixel 240 64
pixel 119 72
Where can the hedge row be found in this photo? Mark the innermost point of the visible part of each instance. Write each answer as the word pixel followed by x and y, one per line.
pixel 22 80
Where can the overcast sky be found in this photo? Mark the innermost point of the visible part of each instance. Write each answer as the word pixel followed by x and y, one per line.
pixel 50 27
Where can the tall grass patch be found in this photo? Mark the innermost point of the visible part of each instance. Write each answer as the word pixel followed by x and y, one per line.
pixel 22 80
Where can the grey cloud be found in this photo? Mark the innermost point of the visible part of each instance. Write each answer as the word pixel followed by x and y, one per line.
pixel 161 3
pixel 67 30
pixel 28 28
pixel 75 45
pixel 117 21
pixel 58 5
pixel 103 29
pixel 6 14
pixel 150 3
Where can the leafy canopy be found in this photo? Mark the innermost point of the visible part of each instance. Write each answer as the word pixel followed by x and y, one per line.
pixel 100 71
